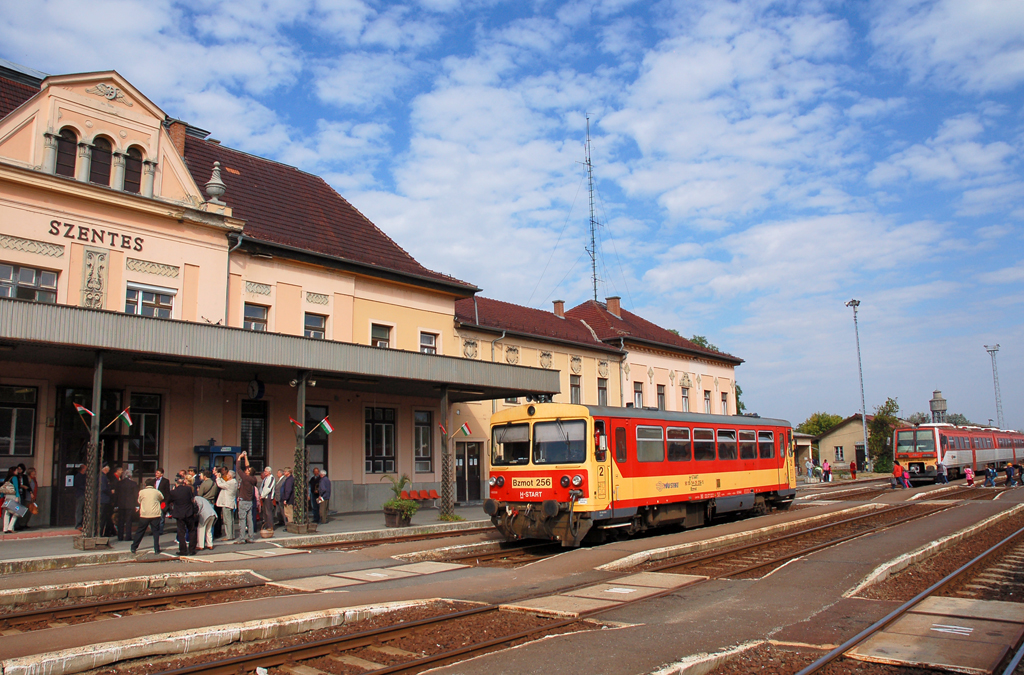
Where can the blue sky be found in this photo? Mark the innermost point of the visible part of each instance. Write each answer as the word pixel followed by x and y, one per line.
pixel 757 163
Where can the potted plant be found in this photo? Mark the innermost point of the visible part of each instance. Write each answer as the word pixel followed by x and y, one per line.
pixel 398 512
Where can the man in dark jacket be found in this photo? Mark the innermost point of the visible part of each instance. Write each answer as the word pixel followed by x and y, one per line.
pixel 106 502
pixel 183 510
pixel 325 498
pixel 314 495
pixel 288 495
pixel 126 494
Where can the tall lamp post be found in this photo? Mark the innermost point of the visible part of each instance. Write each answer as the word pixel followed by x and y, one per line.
pixel 860 369
pixel 995 381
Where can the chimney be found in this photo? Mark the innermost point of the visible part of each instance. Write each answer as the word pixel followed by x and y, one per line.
pixel 560 309
pixel 612 303
pixel 176 130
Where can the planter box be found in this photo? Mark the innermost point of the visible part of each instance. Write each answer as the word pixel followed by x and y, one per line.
pixel 91 543
pixel 394 518
pixel 301 528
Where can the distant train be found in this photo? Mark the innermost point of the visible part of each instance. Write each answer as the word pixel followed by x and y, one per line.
pixel 563 472
pixel 920 448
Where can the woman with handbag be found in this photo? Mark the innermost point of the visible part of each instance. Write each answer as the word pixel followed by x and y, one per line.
pixel 11 491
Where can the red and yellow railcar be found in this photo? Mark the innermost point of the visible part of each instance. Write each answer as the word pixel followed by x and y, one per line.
pixel 563 472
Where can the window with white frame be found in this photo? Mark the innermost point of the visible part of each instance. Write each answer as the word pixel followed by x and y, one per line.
pixel 725 404
pixel 602 391
pixel 380 336
pixel 684 399
pixel 423 441
pixel 638 394
pixel 839 453
pixel 315 326
pixel 707 402
pixel 428 343
pixel 145 300
pixel 574 389
pixel 379 440
pixel 661 397
pixel 28 283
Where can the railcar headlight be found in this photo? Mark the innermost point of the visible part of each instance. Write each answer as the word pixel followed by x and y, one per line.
pixel 577 480
pixel 496 481
pixel 565 481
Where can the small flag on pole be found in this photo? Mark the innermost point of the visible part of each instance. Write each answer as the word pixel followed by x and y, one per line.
pixel 82 410
pixel 123 415
pixel 444 432
pixel 326 426
pixel 465 429
pixel 295 422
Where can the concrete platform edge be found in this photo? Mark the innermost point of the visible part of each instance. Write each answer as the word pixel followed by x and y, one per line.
pixel 383 533
pixel 21 565
pixel 696 546
pixel 80 659
pixel 701 664
pixel 88 589
pixel 900 563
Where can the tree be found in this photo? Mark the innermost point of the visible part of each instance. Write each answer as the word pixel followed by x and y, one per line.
pixel 702 341
pixel 740 407
pixel 819 423
pixel 958 419
pixel 880 435
pixel 919 418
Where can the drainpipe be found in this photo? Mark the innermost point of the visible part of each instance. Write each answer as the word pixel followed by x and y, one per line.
pixel 494 401
pixel 622 361
pixel 227 278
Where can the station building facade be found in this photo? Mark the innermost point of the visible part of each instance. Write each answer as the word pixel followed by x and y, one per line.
pixel 216 295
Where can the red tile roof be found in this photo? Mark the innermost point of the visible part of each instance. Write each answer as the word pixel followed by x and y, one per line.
pixel 13 94
pixel 283 205
pixel 498 315
pixel 611 328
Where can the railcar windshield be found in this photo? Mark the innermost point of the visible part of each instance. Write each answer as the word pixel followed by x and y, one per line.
pixel 560 442
pixel 925 441
pixel 510 445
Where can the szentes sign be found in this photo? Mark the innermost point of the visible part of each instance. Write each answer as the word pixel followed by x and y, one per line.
pixel 91 235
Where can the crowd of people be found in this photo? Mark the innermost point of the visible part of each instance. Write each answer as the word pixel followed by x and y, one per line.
pixel 204 503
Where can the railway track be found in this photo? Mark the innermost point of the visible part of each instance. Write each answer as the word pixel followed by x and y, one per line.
pixel 511 555
pixel 755 557
pixel 46 617
pixel 972 493
pixel 958 604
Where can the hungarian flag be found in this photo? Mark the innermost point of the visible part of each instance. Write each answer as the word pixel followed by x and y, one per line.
pixel 326 426
pixel 444 432
pixel 295 422
pixel 124 416
pixel 465 429
pixel 82 410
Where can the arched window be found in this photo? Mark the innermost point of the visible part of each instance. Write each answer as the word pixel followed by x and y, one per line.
pixel 67 151
pixel 133 171
pixel 102 156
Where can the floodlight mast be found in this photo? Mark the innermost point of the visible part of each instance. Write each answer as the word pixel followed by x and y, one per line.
pixel 860 369
pixel 995 381
pixel 592 250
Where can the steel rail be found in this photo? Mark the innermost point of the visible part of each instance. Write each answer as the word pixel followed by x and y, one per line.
pixel 120 604
pixel 363 543
pixel 1014 662
pixel 889 618
pixel 505 552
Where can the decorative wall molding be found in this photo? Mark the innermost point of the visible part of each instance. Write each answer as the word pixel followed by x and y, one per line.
pixel 470 349
pixel 257 288
pixel 698 381
pixel 94 278
pixel 625 369
pixel 650 374
pixel 317 298
pixel 545 359
pixel 31 246
pixel 672 376
pixel 110 93
pixel 602 368
pixel 685 380
pixel 512 355
pixel 147 267
pixel 576 364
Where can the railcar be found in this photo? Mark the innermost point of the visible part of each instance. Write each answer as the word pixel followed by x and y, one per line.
pixel 565 472
pixel 920 448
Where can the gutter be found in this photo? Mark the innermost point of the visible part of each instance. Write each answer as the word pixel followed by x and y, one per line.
pixel 494 402
pixel 227 278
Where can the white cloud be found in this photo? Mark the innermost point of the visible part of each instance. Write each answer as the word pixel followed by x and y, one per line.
pixel 978 45
pixel 363 81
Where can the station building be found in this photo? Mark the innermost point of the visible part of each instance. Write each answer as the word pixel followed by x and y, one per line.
pixel 217 294
pixel 209 291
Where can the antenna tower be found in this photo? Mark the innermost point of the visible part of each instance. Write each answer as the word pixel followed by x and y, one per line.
pixel 592 250
pixel 995 380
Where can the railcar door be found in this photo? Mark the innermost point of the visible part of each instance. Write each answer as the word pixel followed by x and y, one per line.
pixel 622 486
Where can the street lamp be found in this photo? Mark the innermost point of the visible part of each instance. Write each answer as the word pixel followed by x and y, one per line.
pixel 860 369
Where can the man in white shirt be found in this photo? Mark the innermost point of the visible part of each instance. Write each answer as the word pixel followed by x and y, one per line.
pixel 266 488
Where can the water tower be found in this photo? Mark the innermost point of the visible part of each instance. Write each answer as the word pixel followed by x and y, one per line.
pixel 938 406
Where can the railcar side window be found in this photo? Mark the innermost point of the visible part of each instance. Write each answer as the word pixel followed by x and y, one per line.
pixel 560 442
pixel 650 444
pixel 510 444
pixel 620 445
pixel 726 444
pixel 766 444
pixel 704 445
pixel 679 449
pixel 748 444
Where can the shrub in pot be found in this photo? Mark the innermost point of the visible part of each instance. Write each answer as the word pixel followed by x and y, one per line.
pixel 398 512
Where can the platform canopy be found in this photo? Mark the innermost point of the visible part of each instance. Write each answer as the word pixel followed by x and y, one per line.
pixel 70 336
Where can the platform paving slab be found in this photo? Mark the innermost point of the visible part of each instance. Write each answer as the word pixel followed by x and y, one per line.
pixel 560 605
pixel 272 552
pixel 896 649
pixel 996 610
pixel 660 579
pixel 957 628
pixel 428 567
pixel 318 583
pixel 375 574
pixel 617 592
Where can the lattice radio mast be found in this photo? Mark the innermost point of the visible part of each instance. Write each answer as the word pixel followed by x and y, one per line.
pixel 592 250
pixel 995 380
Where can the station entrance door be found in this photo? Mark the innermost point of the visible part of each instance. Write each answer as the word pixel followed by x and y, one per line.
pixel 467 471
